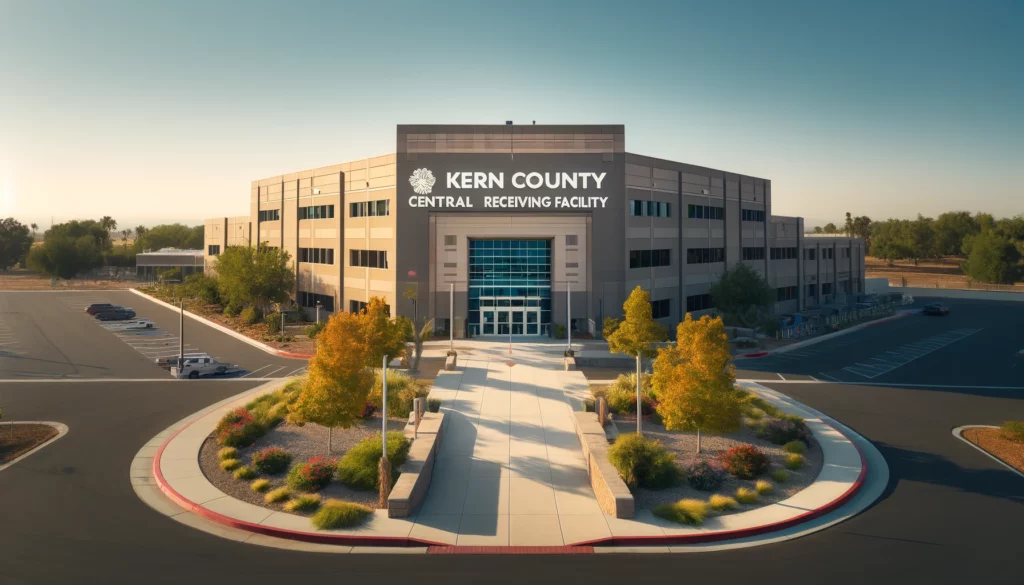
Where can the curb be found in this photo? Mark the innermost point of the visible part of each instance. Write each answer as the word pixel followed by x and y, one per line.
pixel 822 338
pixel 226 330
pixel 958 433
pixel 62 429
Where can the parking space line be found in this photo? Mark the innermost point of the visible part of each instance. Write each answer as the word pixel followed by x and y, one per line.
pixel 271 374
pixel 909 353
pixel 254 371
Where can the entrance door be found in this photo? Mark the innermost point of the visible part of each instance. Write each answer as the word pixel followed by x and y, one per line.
pixel 487 321
pixel 503 321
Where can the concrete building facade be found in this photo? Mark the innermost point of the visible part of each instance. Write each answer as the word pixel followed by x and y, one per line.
pixel 519 227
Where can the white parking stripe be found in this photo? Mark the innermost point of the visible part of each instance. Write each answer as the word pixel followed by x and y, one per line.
pixel 254 371
pixel 909 353
pixel 271 374
pixel 294 372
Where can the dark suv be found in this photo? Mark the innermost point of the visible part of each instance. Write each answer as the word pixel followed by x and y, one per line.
pixel 115 314
pixel 935 309
pixel 98 308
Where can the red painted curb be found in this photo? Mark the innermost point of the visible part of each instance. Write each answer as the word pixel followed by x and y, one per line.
pixel 756 354
pixel 335 539
pixel 288 354
pixel 682 539
pixel 510 550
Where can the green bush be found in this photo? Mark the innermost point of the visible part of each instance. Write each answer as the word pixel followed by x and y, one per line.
pixel 402 389
pixel 643 462
pixel 313 330
pixel 227 453
pixel 260 485
pixel 245 473
pixel 764 487
pixel 784 430
pixel 232 309
pixel 238 428
pixel 201 287
pixel 358 467
pixel 303 503
pixel 721 503
pixel 780 476
pixel 278 495
pixel 751 401
pixel 311 476
pixel 798 447
pixel 340 514
pixel 249 316
pixel 621 394
pixel 560 331
pixel 433 404
pixel 271 460
pixel 684 511
pixel 273 322
pixel 1013 430
pixel 794 461
pixel 746 496
pixel 230 464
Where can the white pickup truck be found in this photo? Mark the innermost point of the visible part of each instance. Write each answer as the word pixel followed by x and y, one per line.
pixel 195 367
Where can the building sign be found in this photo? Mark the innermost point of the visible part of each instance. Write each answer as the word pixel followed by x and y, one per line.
pixel 422 181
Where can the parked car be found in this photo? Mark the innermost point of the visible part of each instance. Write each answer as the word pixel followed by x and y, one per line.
pixel 98 307
pixel 137 324
pixel 935 309
pixel 201 366
pixel 169 361
pixel 116 314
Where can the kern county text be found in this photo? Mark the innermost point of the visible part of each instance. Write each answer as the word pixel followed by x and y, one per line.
pixel 509 202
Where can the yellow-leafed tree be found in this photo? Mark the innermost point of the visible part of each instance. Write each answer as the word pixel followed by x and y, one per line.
pixel 340 378
pixel 634 335
pixel 695 382
pixel 385 336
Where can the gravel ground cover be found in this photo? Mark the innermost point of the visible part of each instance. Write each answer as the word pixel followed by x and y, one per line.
pixel 992 441
pixel 302 443
pixel 684 446
pixel 18 439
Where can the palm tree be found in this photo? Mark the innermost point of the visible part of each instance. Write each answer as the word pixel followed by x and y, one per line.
pixel 124 237
pixel 34 228
pixel 140 232
pixel 108 223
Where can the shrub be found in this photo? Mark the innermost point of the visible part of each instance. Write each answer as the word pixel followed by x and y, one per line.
pixel 621 395
pixel 751 401
pixel 358 467
pixel 279 495
pixel 1013 430
pixel 643 462
pixel 560 331
pixel 722 503
pixel 273 322
pixel 232 309
pixel 705 476
pixel 303 503
pixel 238 428
pixel 313 330
pixel 745 461
pixel 249 316
pixel 271 460
pixel 260 485
pixel 684 511
pixel 794 461
pixel 245 473
pixel 784 430
pixel 754 413
pixel 227 453
pixel 780 476
pixel 764 487
pixel 433 404
pixel 402 389
pixel 746 496
pixel 311 476
pixel 798 447
pixel 230 464
pixel 201 287
pixel 340 514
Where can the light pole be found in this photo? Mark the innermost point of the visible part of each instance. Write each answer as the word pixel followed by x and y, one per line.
pixel 318 312
pixel 181 334
pixel 384 469
pixel 568 318
pixel 451 318
pixel 639 403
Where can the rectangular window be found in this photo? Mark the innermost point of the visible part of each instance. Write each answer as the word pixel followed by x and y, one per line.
pixel 786 293
pixel 641 208
pixel 649 258
pixel 661 309
pixel 698 303
pixel 636 208
pixel 812 290
pixel 316 255
pixel 705 255
pixel 752 215
pixel 704 212
pixel 753 253
pixel 269 215
pixel 826 288
pixel 811 253
pixel 316 212
pixel 356 306
pixel 368 258
pixel 377 208
pixel 213 250
pixel 310 300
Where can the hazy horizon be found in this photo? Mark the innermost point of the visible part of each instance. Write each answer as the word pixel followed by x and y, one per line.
pixel 155 113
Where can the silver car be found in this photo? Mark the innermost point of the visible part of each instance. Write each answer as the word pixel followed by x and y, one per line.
pixel 195 367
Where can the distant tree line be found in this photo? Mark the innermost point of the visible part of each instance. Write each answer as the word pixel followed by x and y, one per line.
pixel 992 249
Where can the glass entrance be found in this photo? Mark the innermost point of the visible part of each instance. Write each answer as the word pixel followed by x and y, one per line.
pixel 510 321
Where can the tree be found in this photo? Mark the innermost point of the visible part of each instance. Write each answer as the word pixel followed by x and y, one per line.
pixel 993 259
pixel 830 228
pixel 108 223
pixel 818 230
pixel 951 228
pixel 255 276
pixel 418 337
pixel 634 336
pixel 124 237
pixel 920 238
pixel 385 336
pixel 694 380
pixel 15 243
pixel 744 296
pixel 862 227
pixel 848 225
pixel 70 248
pixel 173 235
pixel 889 240
pixel 339 381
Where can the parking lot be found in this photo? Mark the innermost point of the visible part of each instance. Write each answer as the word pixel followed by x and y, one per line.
pixel 46 334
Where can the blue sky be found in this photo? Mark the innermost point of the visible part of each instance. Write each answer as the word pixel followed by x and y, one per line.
pixel 151 111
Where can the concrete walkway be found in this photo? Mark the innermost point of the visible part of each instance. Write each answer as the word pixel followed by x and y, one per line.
pixel 510 470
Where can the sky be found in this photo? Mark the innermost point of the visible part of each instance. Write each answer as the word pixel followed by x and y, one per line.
pixel 153 112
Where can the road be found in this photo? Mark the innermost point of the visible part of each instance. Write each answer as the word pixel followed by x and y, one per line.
pixel 949 514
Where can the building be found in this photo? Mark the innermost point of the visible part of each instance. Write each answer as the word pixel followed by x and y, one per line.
pixel 520 221
pixel 151 265
pixel 223 232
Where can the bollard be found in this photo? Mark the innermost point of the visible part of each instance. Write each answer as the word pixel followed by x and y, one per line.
pixel 417 408
pixel 602 410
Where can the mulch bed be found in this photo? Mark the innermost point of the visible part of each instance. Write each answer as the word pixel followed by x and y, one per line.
pixel 992 441
pixel 18 439
pixel 303 442
pixel 684 446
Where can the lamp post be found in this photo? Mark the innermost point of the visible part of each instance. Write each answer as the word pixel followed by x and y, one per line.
pixel 568 317
pixel 384 469
pixel 451 317
pixel 318 312
pixel 181 334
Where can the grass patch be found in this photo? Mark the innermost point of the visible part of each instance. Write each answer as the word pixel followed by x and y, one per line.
pixel 798 447
pixel 764 487
pixel 794 461
pixel 780 476
pixel 340 514
pixel 684 511
pixel 278 495
pixel 227 453
pixel 746 496
pixel 722 503
pixel 303 503
pixel 358 467
pixel 260 485
pixel 245 473
pixel 230 464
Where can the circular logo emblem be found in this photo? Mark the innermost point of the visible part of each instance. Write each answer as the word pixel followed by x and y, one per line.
pixel 422 181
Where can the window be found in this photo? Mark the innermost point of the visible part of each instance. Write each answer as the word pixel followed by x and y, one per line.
pixel 698 303
pixel 812 290
pixel 752 215
pixel 826 288
pixel 661 309
pixel 811 253
pixel 753 253
pixel 826 253
pixel 269 214
pixel 786 293
pixel 704 212
pixel 641 208
pixel 784 254
pixel 316 212
pixel 213 250
pixel 309 300
pixel 368 258
pixel 846 252
pixel 316 255
pixel 704 255
pixel 356 306
pixel 649 258
pixel 377 208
